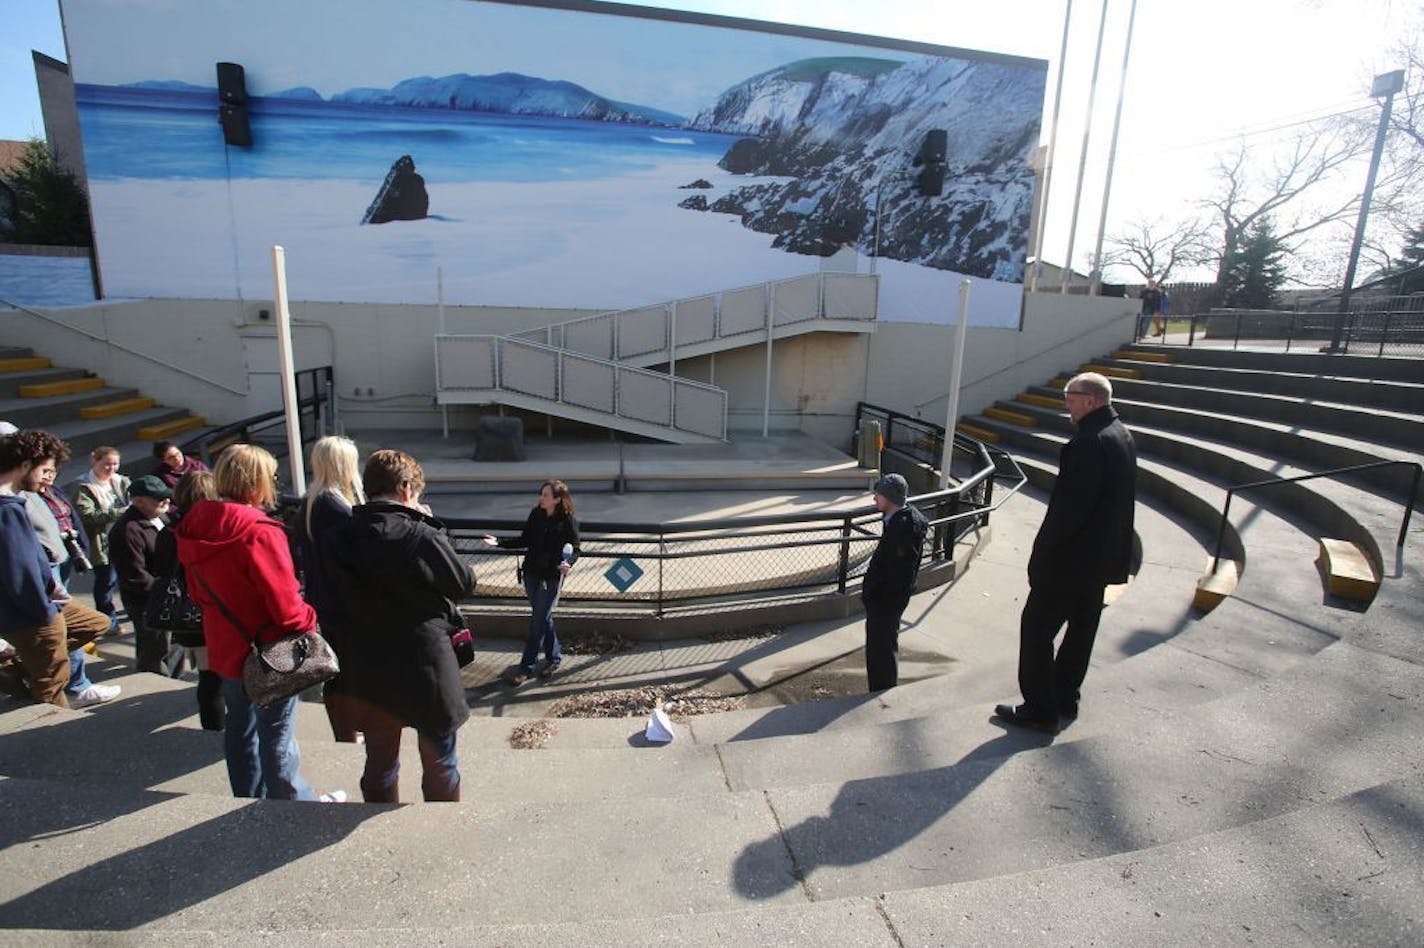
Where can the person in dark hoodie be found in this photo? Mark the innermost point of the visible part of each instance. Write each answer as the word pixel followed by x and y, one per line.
pixel 233 553
pixel 399 576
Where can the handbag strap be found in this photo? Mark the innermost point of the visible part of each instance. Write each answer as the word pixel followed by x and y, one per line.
pixel 227 613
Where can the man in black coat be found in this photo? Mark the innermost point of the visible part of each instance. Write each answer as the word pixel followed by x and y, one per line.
pixel 890 579
pixel 1084 545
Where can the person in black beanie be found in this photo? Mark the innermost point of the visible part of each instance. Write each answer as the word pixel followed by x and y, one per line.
pixel 890 579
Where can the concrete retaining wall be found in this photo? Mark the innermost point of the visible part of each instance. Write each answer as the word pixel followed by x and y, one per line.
pixel 218 358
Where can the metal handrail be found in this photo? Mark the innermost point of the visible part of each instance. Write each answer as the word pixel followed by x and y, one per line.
pixel 658 542
pixel 1233 490
pixel 562 327
pixel 126 349
pixel 240 431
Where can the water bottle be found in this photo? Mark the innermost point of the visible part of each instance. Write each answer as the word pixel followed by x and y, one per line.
pixel 568 556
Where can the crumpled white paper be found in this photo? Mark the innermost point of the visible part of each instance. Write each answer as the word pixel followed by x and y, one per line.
pixel 659 729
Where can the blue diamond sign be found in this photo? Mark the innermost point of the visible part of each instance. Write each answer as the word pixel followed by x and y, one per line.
pixel 623 574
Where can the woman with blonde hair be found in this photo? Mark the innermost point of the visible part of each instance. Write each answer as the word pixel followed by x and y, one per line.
pixel 239 570
pixel 335 488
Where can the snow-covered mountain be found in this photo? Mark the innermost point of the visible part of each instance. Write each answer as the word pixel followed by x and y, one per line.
pixel 846 130
pixel 508 93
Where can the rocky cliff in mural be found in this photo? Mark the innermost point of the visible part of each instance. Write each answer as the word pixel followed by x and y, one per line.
pixel 844 132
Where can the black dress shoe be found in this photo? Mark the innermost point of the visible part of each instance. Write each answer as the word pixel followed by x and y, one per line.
pixel 1017 716
pixel 1068 712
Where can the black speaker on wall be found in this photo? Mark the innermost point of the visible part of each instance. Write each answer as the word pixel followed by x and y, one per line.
pixel 931 160
pixel 232 105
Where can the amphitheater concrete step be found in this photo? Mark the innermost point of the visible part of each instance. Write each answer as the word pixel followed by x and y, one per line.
pixel 1403 396
pixel 1332 873
pixel 1309 447
pixel 83 435
pixel 1395 428
pixel 1000 808
pixel 12 382
pixel 57 409
pixel 1368 367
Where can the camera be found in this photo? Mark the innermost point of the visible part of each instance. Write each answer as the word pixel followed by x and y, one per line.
pixel 76 552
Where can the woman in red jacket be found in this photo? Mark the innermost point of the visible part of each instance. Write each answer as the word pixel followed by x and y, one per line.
pixel 232 551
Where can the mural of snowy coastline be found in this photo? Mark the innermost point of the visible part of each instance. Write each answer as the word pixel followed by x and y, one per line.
pixel 541 156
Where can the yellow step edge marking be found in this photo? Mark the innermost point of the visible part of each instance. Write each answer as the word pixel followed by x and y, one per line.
pixel 124 406
pixel 170 428
pixel 1132 355
pixel 1112 371
pixel 25 364
pixel 1349 574
pixel 67 387
pixel 974 431
pixel 1042 401
pixel 1012 417
pixel 1058 381
pixel 1213 588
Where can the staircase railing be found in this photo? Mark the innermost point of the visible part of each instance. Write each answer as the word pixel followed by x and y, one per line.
pixel 1333 472
pixel 467 363
pixel 649 331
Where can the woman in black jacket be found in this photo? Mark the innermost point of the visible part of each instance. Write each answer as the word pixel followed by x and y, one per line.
pixel 551 546
pixel 399 577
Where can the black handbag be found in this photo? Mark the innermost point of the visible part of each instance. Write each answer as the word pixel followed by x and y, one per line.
pixel 170 609
pixel 276 671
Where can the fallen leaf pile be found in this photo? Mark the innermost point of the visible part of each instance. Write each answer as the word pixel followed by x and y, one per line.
pixel 532 735
pixel 636 702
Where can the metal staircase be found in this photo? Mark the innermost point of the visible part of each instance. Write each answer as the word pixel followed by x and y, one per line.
pixel 595 369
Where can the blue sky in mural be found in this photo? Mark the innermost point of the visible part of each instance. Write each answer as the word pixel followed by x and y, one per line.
pixel 673 66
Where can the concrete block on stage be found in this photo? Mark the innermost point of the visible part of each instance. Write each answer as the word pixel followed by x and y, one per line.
pixel 499 438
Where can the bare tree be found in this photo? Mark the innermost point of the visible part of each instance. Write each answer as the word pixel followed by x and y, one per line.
pixel 1292 190
pixel 1154 247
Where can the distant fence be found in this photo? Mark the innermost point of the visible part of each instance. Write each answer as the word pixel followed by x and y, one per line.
pixel 1379 326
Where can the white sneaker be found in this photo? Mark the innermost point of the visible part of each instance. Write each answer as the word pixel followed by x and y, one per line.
pixel 7 651
pixel 94 694
pixel 335 796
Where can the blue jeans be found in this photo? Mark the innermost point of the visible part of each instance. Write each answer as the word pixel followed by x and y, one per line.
pixel 543 597
pixel 440 773
pixel 78 680
pixel 261 747
pixel 106 583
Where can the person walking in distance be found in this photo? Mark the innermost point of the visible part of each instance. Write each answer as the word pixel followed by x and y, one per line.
pixel 890 579
pixel 1083 545
pixel 550 541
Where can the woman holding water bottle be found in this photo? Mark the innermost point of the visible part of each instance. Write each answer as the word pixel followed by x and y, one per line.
pixel 550 541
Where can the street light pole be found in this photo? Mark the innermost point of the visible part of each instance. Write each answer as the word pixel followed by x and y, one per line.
pixel 1386 85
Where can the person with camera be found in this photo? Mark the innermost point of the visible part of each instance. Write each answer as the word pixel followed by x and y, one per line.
pixel 101 495
pixel 135 552
pixel 53 521
pixel 393 566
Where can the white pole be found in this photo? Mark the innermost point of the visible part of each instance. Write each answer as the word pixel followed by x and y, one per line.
pixel 956 380
pixel 288 370
pixel 440 304
pixel 1048 156
pixel 769 301
pixel 1083 158
pixel 1097 280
